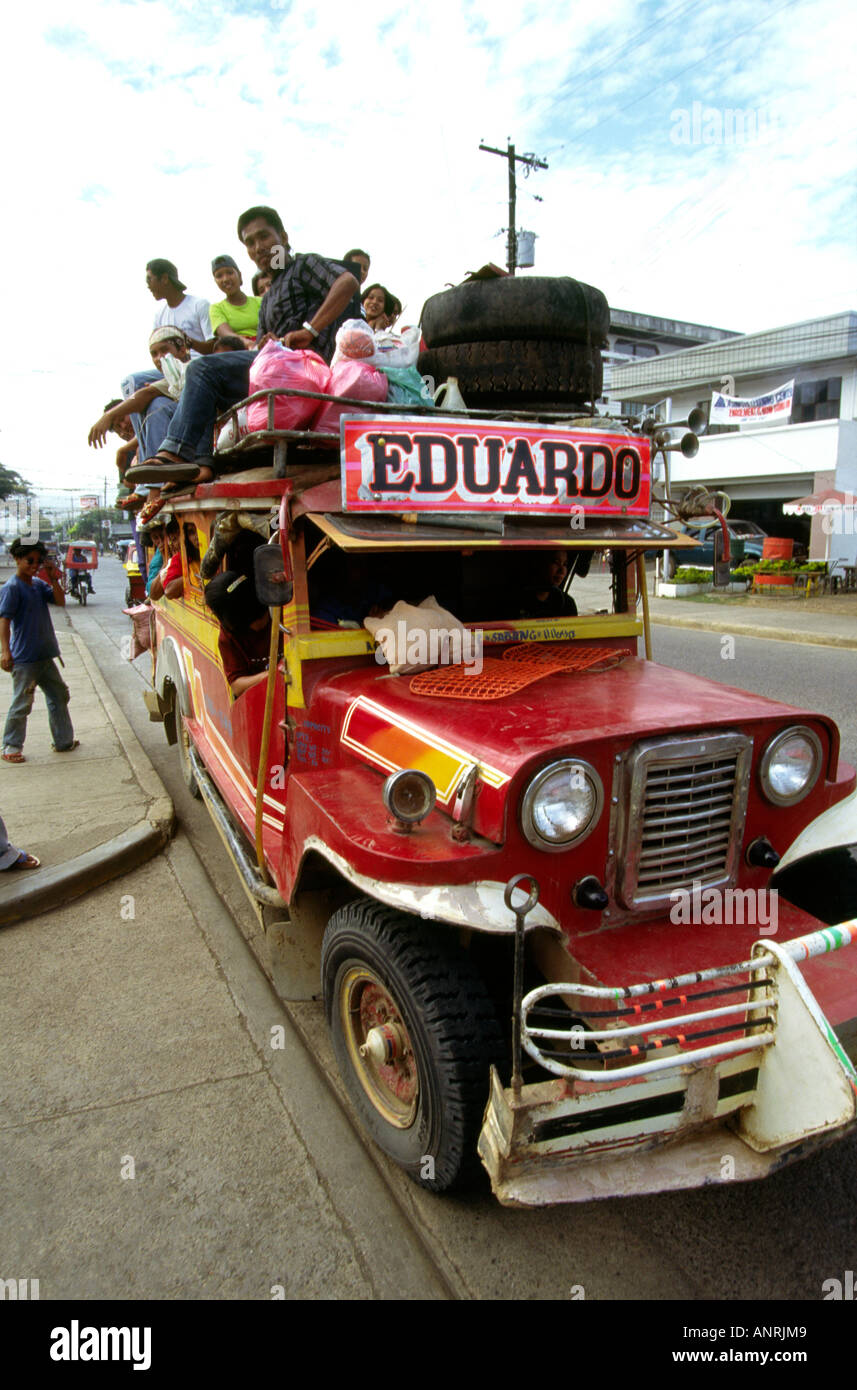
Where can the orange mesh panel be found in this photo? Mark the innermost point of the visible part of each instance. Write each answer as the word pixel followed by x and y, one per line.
pixel 495 680
pixel 562 656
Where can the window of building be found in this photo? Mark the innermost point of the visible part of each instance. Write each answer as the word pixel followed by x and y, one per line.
pixel 817 400
pixel 705 406
pixel 632 349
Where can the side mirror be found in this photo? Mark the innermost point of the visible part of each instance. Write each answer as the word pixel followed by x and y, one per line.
pixel 274 584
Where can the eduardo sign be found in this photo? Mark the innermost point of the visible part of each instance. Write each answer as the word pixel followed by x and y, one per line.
pixel 436 463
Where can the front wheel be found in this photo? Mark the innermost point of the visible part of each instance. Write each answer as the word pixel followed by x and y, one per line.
pixel 81 595
pixel 415 1034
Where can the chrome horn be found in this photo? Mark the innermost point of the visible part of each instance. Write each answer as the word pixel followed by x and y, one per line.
pixel 696 421
pixel 687 445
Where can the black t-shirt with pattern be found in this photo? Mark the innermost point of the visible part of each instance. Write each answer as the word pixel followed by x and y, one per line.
pixel 296 294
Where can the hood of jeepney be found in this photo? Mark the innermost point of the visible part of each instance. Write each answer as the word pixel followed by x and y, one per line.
pixel 596 717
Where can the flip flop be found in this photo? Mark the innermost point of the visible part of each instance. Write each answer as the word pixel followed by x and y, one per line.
pixel 14 758
pixel 150 510
pixel 68 748
pixel 26 861
pixel 162 470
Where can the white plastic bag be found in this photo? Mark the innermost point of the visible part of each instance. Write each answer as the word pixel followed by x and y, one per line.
pixel 234 429
pixel 385 348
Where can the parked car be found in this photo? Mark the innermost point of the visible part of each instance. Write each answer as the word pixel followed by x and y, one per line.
pixel 745 544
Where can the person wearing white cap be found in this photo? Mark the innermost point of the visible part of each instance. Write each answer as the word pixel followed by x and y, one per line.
pixel 169 351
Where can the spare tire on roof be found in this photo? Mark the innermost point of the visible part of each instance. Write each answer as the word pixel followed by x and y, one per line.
pixel 535 371
pixel 535 306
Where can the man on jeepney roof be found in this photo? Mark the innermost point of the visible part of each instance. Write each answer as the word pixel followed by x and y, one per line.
pixel 309 297
pixel 152 406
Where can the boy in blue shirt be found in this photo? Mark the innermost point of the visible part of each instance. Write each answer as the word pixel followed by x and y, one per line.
pixel 28 646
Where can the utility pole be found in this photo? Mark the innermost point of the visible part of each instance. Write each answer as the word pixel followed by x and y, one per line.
pixel 531 163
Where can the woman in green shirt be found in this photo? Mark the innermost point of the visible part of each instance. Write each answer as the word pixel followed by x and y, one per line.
pixel 238 313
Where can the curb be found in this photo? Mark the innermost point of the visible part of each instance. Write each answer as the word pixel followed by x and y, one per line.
pixel 773 634
pixel 28 895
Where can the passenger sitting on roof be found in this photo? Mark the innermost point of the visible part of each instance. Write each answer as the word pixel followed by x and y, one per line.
pixel 307 301
pixel 543 595
pixel 245 629
pixel 236 315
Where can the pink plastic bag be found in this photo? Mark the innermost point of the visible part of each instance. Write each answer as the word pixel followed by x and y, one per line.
pixel 142 616
pixel 302 370
pixel 351 378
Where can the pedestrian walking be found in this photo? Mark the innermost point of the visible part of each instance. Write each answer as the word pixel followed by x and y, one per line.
pixel 28 646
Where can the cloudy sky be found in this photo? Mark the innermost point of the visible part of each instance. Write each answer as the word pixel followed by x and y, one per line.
pixel 141 128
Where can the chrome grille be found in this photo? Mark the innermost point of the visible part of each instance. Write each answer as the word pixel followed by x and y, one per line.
pixel 685 802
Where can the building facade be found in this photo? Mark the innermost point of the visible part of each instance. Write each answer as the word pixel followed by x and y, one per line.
pixel 761 466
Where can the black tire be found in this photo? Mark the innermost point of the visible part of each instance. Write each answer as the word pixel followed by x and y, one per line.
pixel 183 742
pixel 129 597
pixel 537 306
pixel 81 593
pixel 528 371
pixel 376 963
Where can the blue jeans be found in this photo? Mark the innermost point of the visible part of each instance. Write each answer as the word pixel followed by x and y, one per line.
pixel 211 385
pixel 151 427
pixel 8 853
pixel 25 677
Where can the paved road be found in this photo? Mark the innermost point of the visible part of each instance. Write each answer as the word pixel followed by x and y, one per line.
pixel 780 1239
pixel 822 679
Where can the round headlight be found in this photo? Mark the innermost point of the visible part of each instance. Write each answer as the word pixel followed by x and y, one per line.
pixel 562 804
pixel 790 765
pixel 409 795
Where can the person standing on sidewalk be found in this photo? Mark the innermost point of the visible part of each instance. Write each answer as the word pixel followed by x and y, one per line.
pixel 30 653
pixel 13 858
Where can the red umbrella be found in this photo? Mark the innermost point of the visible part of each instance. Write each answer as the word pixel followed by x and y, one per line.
pixel 817 502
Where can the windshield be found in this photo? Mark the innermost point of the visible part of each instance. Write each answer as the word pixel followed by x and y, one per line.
pixel 476 586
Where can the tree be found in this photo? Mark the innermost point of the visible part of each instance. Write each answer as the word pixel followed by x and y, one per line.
pixel 12 484
pixel 88 526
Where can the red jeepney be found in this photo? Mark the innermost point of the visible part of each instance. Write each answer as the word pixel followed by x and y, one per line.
pixel 528 873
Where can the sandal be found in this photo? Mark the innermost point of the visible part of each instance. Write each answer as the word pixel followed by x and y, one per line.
pixel 151 509
pixel 162 470
pixel 26 861
pixel 68 748
pixel 13 756
pixel 132 502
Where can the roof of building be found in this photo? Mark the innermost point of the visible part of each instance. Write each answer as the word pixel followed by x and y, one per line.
pixel 795 345
pixel 626 321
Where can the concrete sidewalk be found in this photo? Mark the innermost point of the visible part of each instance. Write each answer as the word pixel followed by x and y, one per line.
pixel 828 621
pixel 90 814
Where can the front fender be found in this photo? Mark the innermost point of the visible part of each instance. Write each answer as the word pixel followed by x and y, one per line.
pixel 818 872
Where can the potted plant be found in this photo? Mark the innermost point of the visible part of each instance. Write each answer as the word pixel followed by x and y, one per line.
pixel 742 579
pixel 687 582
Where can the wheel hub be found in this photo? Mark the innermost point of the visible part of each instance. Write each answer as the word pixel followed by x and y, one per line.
pixel 380 1046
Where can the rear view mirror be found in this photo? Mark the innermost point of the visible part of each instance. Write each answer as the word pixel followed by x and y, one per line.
pixel 274 585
